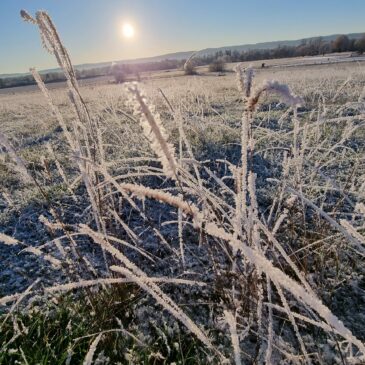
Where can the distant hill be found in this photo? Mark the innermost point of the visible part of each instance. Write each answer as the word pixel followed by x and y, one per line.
pixel 206 51
pixel 275 44
pixel 209 51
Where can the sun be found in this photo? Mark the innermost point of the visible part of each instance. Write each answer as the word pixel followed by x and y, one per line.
pixel 128 30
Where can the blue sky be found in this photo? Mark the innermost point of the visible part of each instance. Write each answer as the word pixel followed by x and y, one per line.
pixel 91 28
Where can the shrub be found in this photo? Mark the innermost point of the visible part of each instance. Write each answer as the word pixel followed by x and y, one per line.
pixel 119 73
pixel 217 65
pixel 189 68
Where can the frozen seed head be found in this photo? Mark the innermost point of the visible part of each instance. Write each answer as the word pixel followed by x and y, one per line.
pixel 273 86
pixel 288 97
pixel 7 240
pixel 360 208
pixel 153 129
pixel 239 69
pixel 27 17
pixel 244 77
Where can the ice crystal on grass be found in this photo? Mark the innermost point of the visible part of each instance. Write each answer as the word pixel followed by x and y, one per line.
pixel 244 77
pixel 231 321
pixel 274 87
pixel 7 240
pixel 90 354
pixel 154 130
pixel 18 162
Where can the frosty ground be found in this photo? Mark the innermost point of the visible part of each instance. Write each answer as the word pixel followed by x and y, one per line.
pixel 328 169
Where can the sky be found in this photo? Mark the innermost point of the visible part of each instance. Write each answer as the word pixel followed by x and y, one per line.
pixel 91 29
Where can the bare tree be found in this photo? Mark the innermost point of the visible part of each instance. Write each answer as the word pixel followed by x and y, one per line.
pixel 360 45
pixel 218 65
pixel 341 44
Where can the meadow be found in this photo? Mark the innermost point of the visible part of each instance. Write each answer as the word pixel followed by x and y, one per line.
pixel 207 219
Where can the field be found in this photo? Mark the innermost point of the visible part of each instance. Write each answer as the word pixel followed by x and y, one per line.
pixel 187 220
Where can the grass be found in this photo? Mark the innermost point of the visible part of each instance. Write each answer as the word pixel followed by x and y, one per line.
pixel 232 216
pixel 61 331
pixel 49 334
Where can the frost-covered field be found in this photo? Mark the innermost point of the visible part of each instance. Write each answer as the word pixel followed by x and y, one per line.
pixel 188 220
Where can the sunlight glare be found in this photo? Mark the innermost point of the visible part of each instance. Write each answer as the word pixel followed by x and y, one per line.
pixel 128 30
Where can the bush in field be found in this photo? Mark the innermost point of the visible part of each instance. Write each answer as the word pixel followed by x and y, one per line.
pixel 190 65
pixel 119 77
pixel 217 65
pixel 190 68
pixel 119 72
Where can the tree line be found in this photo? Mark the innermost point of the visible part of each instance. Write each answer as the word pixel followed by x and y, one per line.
pixel 313 47
pixel 122 71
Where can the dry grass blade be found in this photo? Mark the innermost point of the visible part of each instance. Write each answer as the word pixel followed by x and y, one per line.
pixel 90 354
